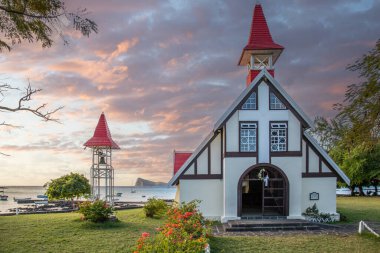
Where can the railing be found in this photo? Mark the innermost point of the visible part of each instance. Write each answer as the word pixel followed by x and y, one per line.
pixel 363 225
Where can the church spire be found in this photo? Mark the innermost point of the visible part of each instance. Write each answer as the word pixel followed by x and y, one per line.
pixel 261 51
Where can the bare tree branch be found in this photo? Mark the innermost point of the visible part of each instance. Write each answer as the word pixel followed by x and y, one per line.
pixel 39 111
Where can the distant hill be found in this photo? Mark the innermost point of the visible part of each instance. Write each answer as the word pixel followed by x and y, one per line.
pixel 144 182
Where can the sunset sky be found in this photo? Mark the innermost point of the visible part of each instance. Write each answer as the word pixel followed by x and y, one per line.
pixel 163 72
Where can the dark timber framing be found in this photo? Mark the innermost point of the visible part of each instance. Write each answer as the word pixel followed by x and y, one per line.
pixel 195 162
pixel 321 159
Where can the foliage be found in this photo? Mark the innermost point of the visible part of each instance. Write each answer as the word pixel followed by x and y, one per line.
pixel 312 210
pixel 68 186
pixel 184 231
pixel 312 213
pixel 38 21
pixel 97 211
pixel 155 208
pixel 353 136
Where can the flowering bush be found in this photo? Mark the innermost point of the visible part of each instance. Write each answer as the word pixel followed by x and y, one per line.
pixel 184 231
pixel 155 208
pixel 97 211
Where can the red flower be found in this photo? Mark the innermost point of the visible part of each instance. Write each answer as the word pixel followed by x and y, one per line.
pixel 145 234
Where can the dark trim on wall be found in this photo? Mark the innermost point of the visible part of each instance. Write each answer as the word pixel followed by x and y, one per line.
pixel 221 150
pixel 307 157
pixel 322 159
pixel 195 167
pixel 320 165
pixel 203 176
pixel 286 153
pixel 318 174
pixel 240 154
pixel 256 166
pixel 209 159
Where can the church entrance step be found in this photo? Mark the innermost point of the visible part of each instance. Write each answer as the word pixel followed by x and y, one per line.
pixel 269 225
pixel 259 217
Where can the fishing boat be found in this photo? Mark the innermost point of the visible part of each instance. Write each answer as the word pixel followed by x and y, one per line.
pixel 133 191
pixel 2 195
pixel 42 196
pixel 119 194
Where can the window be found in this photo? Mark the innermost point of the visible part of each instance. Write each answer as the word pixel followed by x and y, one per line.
pixel 278 138
pixel 275 103
pixel 248 137
pixel 250 103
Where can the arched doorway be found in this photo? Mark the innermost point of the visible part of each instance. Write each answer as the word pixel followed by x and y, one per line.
pixel 263 191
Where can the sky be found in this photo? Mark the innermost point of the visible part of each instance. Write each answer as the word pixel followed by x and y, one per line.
pixel 163 72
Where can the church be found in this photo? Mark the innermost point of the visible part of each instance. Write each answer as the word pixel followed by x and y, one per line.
pixel 259 159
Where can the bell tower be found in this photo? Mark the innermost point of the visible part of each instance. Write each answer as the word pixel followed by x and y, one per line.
pixel 261 51
pixel 102 172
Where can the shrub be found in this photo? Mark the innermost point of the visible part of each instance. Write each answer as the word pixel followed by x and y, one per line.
pixel 97 211
pixel 155 208
pixel 184 231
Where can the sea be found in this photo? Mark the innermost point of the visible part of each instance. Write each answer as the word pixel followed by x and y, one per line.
pixel 129 194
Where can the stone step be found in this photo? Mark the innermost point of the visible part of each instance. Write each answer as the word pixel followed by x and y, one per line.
pixel 272 228
pixel 263 217
pixel 272 224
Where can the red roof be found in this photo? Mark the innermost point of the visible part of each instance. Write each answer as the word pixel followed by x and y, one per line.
pixel 260 37
pixel 179 159
pixel 102 135
pixel 260 40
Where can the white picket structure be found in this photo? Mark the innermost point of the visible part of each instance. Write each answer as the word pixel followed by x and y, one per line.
pixel 363 225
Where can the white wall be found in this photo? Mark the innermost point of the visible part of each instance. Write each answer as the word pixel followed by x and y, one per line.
pixel 294 139
pixel 232 129
pixel 190 170
pixel 325 168
pixel 292 167
pixel 215 155
pixel 202 163
pixel 313 161
pixel 234 168
pixel 209 191
pixel 326 187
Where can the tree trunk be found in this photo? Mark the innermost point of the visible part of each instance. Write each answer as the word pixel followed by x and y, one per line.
pixel 72 203
pixel 352 188
pixel 375 193
pixel 361 193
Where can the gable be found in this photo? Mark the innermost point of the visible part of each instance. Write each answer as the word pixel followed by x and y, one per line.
pixel 276 88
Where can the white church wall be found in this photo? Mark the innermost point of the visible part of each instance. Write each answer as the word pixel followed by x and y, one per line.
pixel 232 129
pixel 190 170
pixel 294 128
pixel 202 163
pixel 215 155
pixel 313 161
pixel 209 191
pixel 325 168
pixel 234 168
pixel 327 193
pixel 292 167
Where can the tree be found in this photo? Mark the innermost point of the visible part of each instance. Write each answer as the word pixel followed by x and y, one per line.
pixel 38 21
pixel 68 186
pixel 35 21
pixel 353 136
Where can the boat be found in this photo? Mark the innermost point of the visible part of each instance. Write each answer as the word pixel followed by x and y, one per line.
pixel 42 196
pixel 133 191
pixel 143 196
pixel 119 194
pixel 2 195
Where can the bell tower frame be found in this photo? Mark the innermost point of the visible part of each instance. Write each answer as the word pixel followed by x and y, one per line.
pixel 102 173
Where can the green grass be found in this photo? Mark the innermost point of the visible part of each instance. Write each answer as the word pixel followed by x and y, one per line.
pixel 359 208
pixel 66 233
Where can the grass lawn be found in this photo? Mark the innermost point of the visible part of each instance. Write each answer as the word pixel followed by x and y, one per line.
pixel 66 233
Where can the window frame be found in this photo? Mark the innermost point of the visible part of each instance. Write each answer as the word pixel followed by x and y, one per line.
pixel 286 137
pixel 245 100
pixel 257 136
pixel 276 109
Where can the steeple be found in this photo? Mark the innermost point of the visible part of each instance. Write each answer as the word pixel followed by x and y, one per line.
pixel 261 51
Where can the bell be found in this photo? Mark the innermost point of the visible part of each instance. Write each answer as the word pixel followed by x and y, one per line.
pixel 102 160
